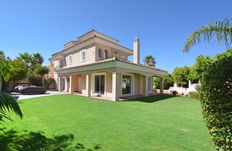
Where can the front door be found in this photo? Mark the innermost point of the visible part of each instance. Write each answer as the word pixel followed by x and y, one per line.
pixel 99 84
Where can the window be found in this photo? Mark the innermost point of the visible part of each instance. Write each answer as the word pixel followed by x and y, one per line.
pixel 106 54
pixel 126 84
pixel 99 53
pixel 100 84
pixel 70 59
pixel 83 55
pixel 61 63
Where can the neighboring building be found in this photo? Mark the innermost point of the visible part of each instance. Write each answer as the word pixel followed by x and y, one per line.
pixel 96 65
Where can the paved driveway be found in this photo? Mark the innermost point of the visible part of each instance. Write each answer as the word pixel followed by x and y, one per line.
pixel 19 96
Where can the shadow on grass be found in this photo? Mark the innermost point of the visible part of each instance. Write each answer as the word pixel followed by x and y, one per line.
pixel 37 141
pixel 154 98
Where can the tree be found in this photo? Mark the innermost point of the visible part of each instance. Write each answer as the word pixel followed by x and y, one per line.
pixel 7 103
pixel 149 61
pixel 22 70
pixel 31 65
pixel 26 58
pixel 42 70
pixel 182 75
pixel 37 59
pixel 220 30
pixel 201 66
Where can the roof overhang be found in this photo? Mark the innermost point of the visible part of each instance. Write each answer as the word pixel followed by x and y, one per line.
pixel 114 66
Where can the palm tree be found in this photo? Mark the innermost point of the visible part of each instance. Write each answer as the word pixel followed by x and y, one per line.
pixel 149 61
pixel 7 103
pixel 220 30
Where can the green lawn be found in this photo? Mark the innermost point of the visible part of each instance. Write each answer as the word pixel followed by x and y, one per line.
pixel 71 122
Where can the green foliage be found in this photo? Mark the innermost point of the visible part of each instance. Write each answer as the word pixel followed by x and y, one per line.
pixel 216 99
pixel 41 70
pixel 201 66
pixel 149 61
pixel 28 67
pixel 182 75
pixel 221 30
pixel 156 82
pixel 168 82
pixel 194 95
pixel 31 60
pixel 22 70
pixel 6 69
pixel 35 80
pixel 7 103
pixel 37 59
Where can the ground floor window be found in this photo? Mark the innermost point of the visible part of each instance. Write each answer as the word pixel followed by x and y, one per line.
pixel 99 84
pixel 126 84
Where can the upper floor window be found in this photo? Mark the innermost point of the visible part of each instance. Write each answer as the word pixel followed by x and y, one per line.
pixel 61 63
pixel 83 55
pixel 70 59
pixel 99 53
pixel 106 54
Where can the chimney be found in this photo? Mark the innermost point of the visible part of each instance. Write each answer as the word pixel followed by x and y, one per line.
pixel 136 52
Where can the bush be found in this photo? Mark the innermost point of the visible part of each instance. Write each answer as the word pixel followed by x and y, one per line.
pixel 50 83
pixel 216 100
pixel 35 80
pixel 194 95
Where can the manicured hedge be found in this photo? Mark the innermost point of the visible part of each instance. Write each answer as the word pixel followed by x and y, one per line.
pixel 216 99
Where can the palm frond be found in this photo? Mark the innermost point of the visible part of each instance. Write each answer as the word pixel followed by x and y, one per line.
pixel 6 69
pixel 7 104
pixel 220 30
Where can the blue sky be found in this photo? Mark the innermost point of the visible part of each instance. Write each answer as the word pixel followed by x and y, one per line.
pixel 163 26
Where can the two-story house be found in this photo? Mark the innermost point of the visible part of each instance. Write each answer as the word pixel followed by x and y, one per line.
pixel 97 65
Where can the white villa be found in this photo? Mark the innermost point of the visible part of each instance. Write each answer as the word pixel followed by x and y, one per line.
pixel 96 65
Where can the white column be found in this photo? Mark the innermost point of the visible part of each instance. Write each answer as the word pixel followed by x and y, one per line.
pixel 71 84
pixel 189 84
pixel 60 84
pixel 146 86
pixel 161 85
pixel 116 86
pixel 66 84
pixel 88 85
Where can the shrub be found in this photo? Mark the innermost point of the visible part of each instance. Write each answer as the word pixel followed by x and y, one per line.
pixel 194 95
pixel 174 92
pixel 50 83
pixel 216 100
pixel 35 80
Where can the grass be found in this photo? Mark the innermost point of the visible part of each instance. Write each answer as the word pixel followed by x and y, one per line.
pixel 71 122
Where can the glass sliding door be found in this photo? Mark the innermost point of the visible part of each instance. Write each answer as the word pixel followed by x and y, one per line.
pixel 126 84
pixel 99 84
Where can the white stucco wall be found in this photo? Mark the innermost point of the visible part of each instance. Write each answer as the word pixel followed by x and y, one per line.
pixel 76 57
